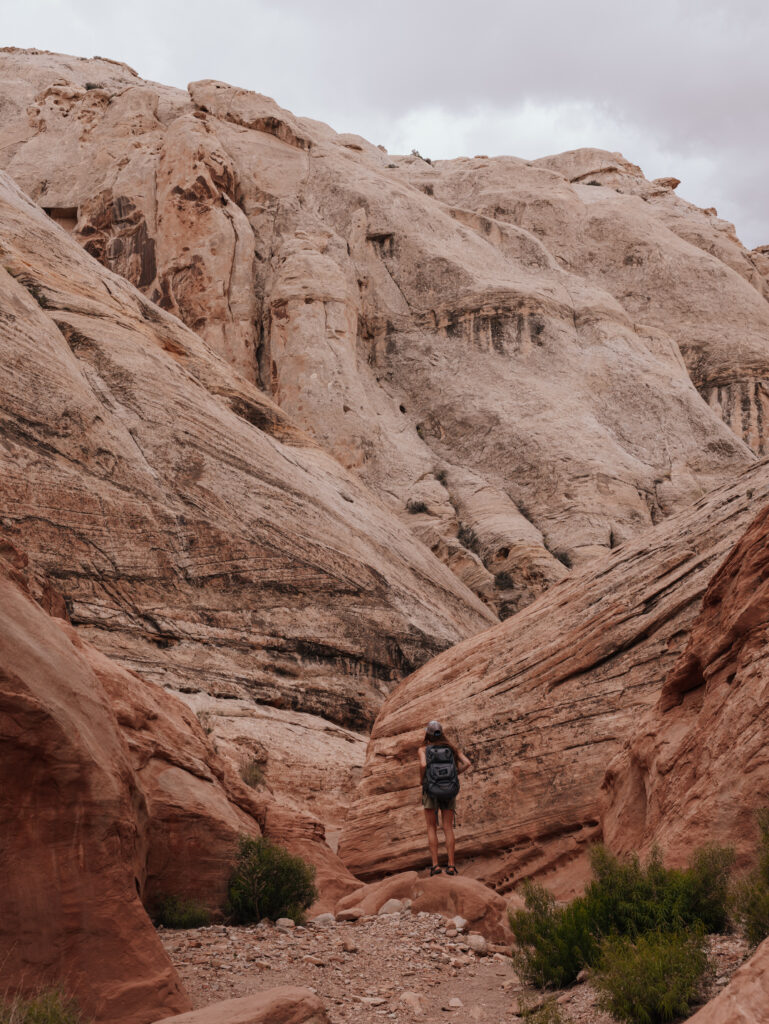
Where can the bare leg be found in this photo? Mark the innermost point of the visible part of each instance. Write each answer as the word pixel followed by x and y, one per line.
pixel 447 821
pixel 432 834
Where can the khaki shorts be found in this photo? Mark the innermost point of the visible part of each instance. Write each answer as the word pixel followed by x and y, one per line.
pixel 431 804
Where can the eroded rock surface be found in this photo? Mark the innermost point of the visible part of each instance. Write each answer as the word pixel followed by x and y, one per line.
pixel 696 769
pixel 542 702
pixel 496 347
pixel 196 534
pixel 745 998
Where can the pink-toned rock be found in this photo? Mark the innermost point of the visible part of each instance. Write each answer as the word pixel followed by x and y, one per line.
pixel 696 769
pixel 542 702
pixel 745 999
pixel 483 909
pixel 276 1006
pixel 74 824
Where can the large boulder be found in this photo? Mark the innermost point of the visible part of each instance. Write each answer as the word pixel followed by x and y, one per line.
pixel 696 769
pixel 542 702
pixel 276 1006
pixel 498 348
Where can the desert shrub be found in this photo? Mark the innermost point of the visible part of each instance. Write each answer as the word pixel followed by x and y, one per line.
pixel 251 773
pixel 751 894
pixel 47 1007
pixel 554 943
pixel 175 912
pixel 624 899
pixel 548 1013
pixel 441 476
pixel 269 882
pixel 652 980
pixel 413 506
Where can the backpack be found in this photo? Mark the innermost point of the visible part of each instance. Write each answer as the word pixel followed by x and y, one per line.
pixel 441 780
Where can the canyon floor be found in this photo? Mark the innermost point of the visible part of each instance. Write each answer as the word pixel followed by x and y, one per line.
pixel 400 966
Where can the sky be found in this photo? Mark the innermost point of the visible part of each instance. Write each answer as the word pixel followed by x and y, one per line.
pixel 680 87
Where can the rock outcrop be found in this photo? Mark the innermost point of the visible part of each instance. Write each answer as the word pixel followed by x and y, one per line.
pixel 696 769
pixel 496 347
pixel 745 998
pixel 197 536
pixel 276 1006
pixel 542 702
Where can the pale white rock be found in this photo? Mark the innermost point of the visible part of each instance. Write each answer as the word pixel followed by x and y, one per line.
pixel 392 906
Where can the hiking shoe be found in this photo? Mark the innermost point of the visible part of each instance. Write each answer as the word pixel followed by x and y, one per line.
pixel 451 870
pixel 436 869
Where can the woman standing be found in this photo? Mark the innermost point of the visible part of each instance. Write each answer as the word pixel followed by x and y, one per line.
pixel 441 762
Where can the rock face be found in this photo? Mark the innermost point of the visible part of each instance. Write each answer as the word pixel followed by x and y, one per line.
pixel 745 998
pixel 542 702
pixel 198 536
pixel 497 348
pixel 697 768
pixel 74 824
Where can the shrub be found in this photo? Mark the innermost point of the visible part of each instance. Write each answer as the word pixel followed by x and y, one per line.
pixel 624 899
pixel 269 882
pixel 653 980
pixel 48 1007
pixel 555 943
pixel 175 912
pixel 251 773
pixel 415 506
pixel 751 895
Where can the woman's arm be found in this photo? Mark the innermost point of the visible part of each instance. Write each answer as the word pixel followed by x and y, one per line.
pixel 464 763
pixel 422 763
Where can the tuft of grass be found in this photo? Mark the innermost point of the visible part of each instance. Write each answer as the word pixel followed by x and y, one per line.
pixel 751 894
pixel 269 882
pixel 251 773
pixel 50 1006
pixel 414 507
pixel 652 980
pixel 176 912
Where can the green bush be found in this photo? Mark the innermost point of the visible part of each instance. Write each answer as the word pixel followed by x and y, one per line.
pixel 269 882
pixel 175 912
pixel 624 899
pixel 251 773
pixel 48 1007
pixel 653 980
pixel 751 895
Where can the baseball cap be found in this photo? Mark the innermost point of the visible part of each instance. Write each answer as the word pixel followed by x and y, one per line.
pixel 434 728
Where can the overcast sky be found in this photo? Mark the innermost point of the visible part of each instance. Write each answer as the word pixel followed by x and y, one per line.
pixel 680 87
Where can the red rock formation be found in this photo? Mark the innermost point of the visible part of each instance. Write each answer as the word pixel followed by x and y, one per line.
pixel 197 536
pixel 696 769
pixel 73 821
pixel 494 346
pixel 745 999
pixel 276 1006
pixel 542 702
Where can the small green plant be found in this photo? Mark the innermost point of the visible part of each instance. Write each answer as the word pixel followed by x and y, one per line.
pixel 441 476
pixel 269 882
pixel 653 980
pixel 751 894
pixel 251 773
pixel 554 943
pixel 50 1006
pixel 548 1013
pixel 93 85
pixel 414 507
pixel 176 912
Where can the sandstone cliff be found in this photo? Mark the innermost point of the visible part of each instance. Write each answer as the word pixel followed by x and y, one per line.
pixel 696 769
pixel 195 533
pixel 498 348
pixel 542 702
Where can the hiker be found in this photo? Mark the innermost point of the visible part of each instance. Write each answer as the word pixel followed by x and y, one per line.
pixel 441 762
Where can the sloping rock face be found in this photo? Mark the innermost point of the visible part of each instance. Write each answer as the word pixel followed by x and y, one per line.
pixel 196 534
pixel 276 1006
pixel 745 998
pixel 697 768
pixel 73 820
pixel 542 702
pixel 486 343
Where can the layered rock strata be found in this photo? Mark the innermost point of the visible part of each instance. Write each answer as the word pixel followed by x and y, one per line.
pixel 542 702
pixel 196 535
pixel 696 769
pixel 496 347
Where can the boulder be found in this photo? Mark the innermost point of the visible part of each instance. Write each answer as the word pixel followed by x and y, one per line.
pixel 286 1005
pixel 475 904
pixel 541 704
pixel 695 770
